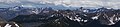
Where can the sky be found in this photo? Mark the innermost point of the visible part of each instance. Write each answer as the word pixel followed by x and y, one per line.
pixel 66 3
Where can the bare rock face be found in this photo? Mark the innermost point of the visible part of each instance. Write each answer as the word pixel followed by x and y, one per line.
pixel 2 22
